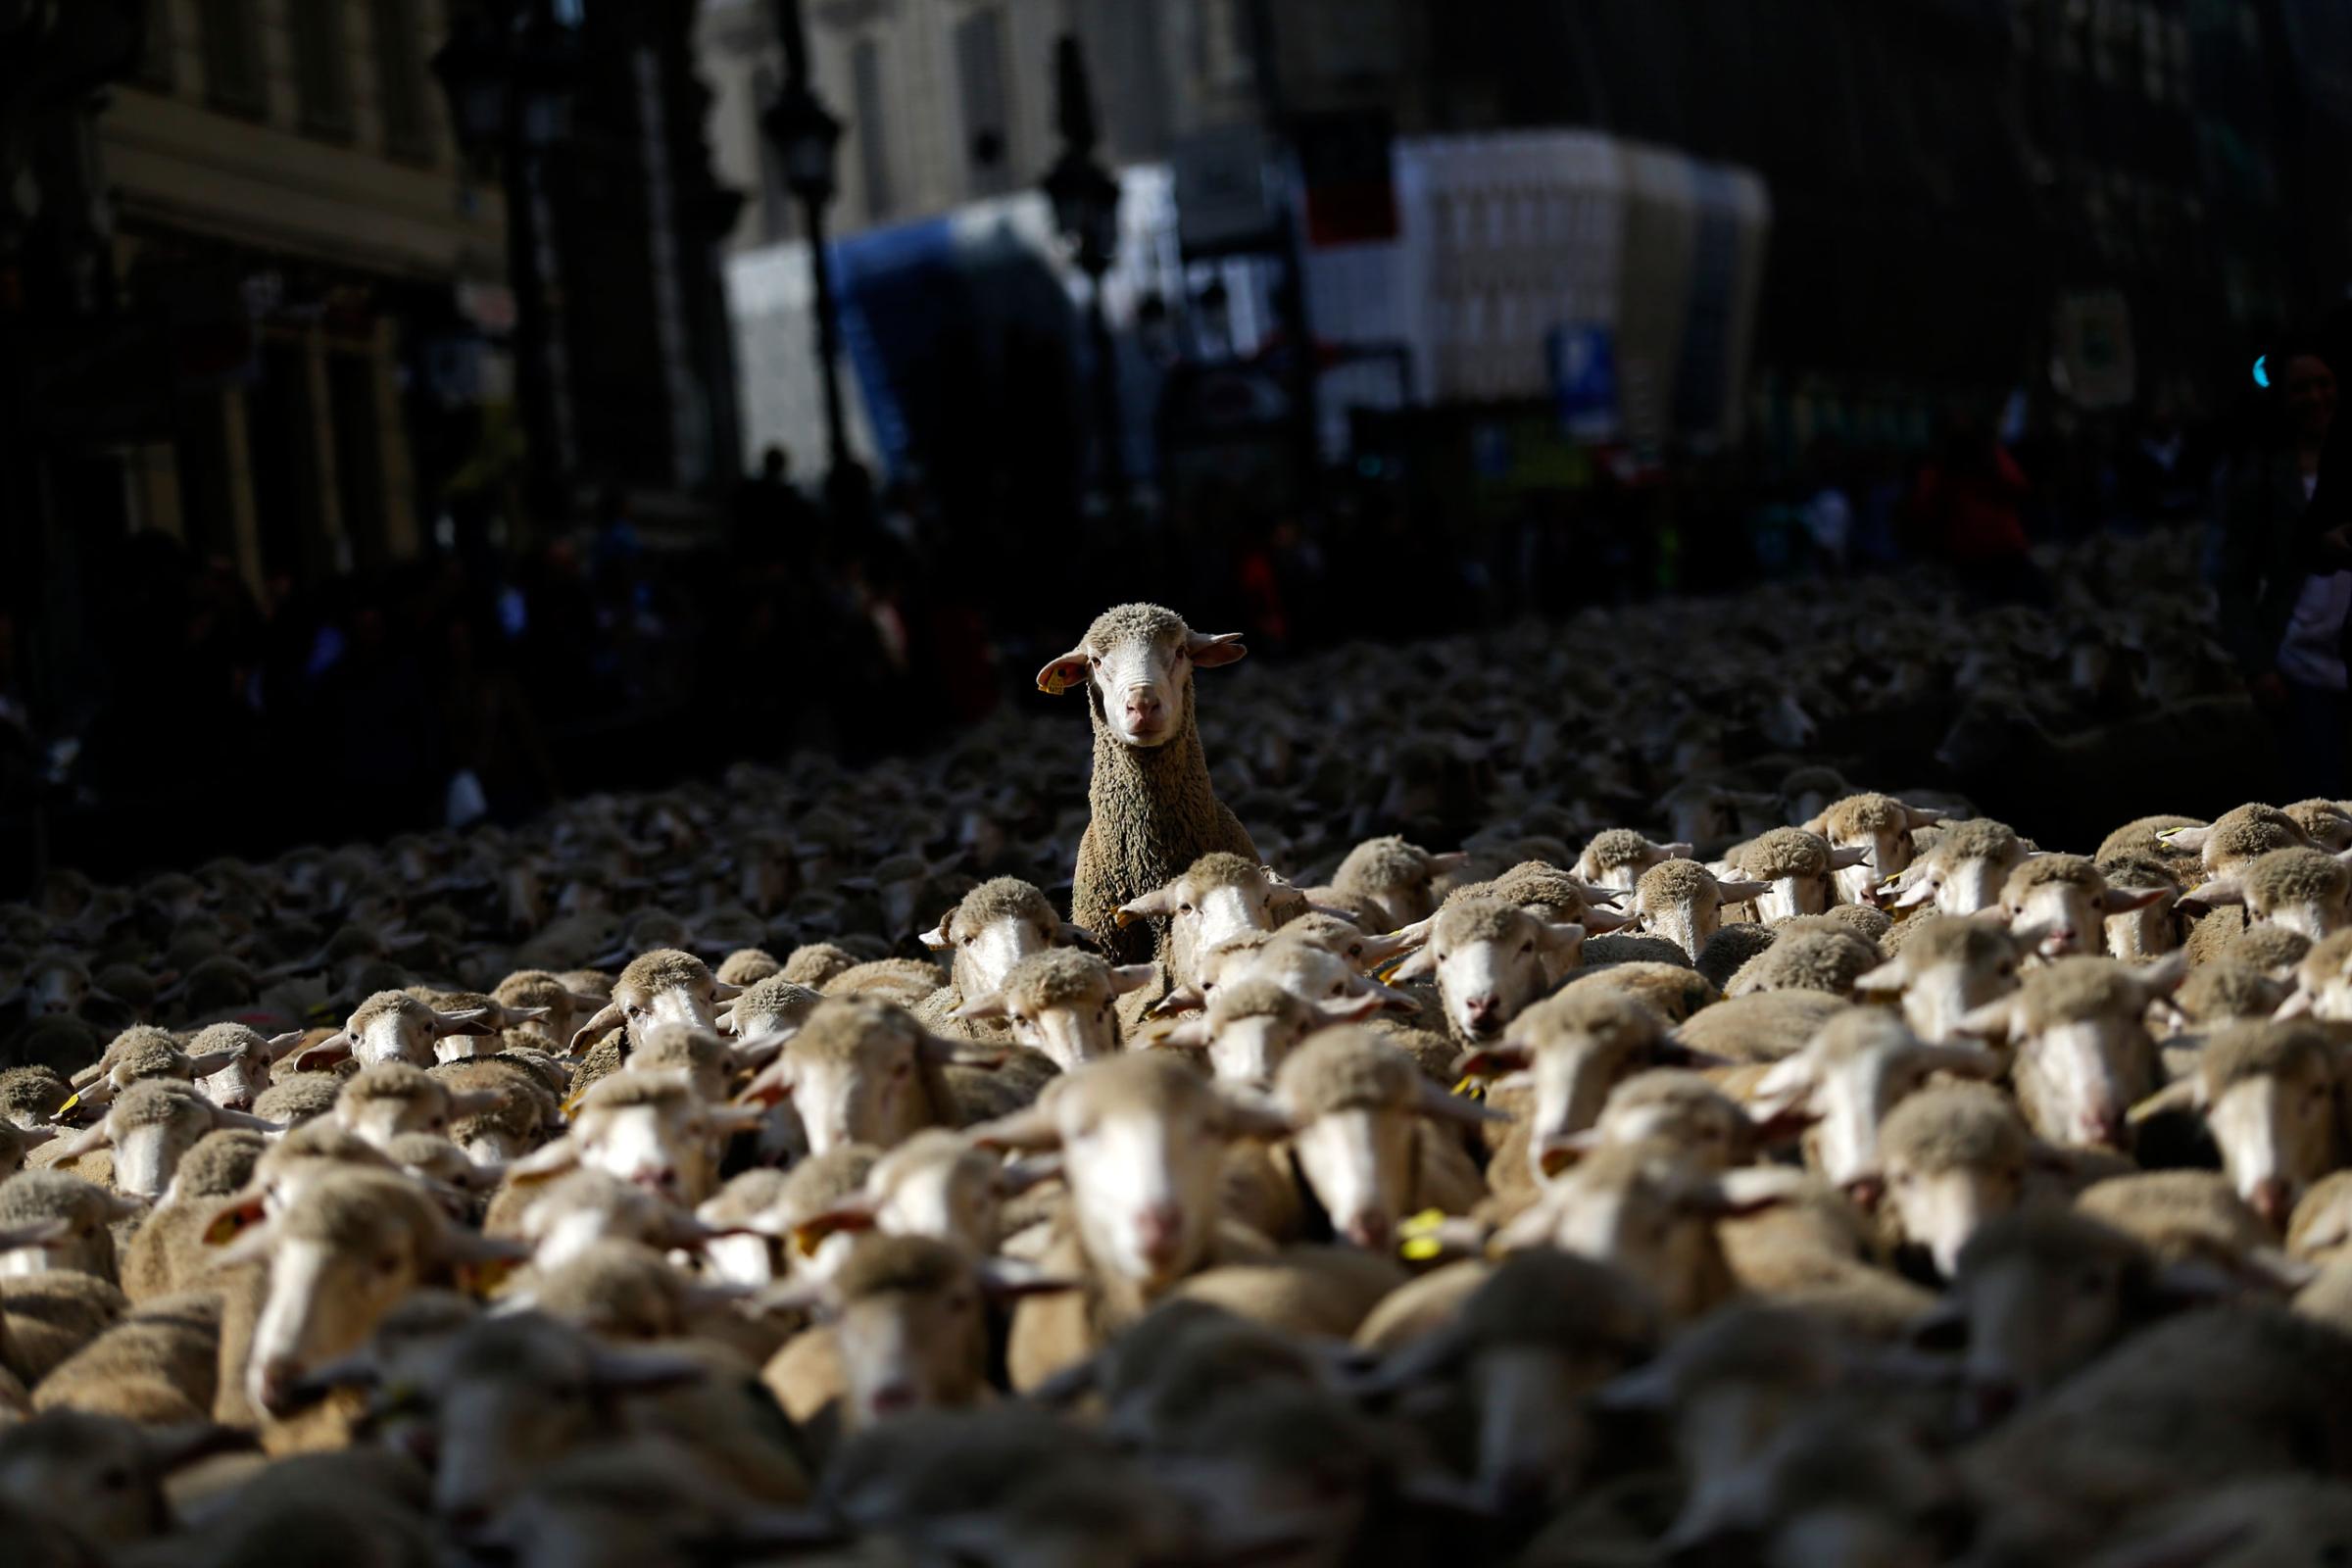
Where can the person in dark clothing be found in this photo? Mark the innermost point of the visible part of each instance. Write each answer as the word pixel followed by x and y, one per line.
pixel 2284 595
pixel 774 524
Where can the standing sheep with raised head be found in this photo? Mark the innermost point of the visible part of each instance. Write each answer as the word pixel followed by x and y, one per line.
pixel 1153 809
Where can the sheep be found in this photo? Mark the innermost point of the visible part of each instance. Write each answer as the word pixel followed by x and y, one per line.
pixel 1152 810
pixel 1729 948
pixel 1397 876
pixel 1826 958
pixel 1678 1108
pixel 148 1127
pixel 2063 902
pixel 564 1008
pixel 339 1255
pixel 2196 1401
pixel 2194 1218
pixel 2154 929
pixel 1962 872
pixel 29 1095
pixel 1574 1049
pixel 991 929
pixel 938 1183
pixel 1761 1027
pixel 2225 991
pixel 2304 890
pixel 2271 1095
pixel 1306 968
pixel 241 1058
pixel 863 1072
pixel 1357 1106
pixel 1954 1157
pixel 1682 901
pixel 905 1319
pixel 159 1365
pixel 2080 1052
pixel 515 1105
pixel 101 1475
pixel 143 1054
pixel 222 1163
pixel 1850 1075
pixel 48 1315
pixel 1798 866
pixel 17 1142
pixel 1060 1003
pixel 645 1128
pixel 389 1026
pixel 774 1006
pixel 299 1098
pixel 626 1292
pixel 1487 958
pixel 907 982
pixel 663 985
pixel 1948 967
pixel 1141 1136
pixel 81 1213
pixel 385 1100
pixel 1618 858
pixel 572 1212
pixel 1880 827
pixel 813 1210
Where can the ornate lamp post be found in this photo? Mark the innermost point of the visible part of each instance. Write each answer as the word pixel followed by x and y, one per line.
pixel 1086 209
pixel 806 136
pixel 510 69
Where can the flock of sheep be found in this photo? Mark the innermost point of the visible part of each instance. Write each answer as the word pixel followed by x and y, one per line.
pixel 1816 1176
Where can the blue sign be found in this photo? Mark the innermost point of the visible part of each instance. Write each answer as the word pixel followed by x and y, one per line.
pixel 1584 378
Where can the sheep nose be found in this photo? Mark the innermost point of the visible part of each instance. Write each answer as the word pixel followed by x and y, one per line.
pixel 1867 1192
pixel 279 1376
pixel 1143 704
pixel 1370 1232
pixel 2271 1200
pixel 2105 1126
pixel 1486 1014
pixel 655 1178
pixel 892 1398
pixel 1158 1230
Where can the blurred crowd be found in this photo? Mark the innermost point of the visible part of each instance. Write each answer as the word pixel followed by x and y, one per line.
pixel 482 682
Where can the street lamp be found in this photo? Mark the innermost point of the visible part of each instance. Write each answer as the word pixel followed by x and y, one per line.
pixel 1085 211
pixel 509 70
pixel 808 136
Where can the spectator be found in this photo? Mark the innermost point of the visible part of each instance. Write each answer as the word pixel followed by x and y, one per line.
pixel 1968 508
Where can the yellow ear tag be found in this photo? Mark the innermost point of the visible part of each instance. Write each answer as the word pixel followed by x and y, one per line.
pixel 486 1278
pixel 1472 1087
pixel 224 1228
pixel 1422 1249
pixel 1387 971
pixel 1429 1219
pixel 72 1100
pixel 572 1103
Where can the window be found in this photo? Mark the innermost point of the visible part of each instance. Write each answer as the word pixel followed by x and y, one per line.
pixel 400 78
pixel 980 77
pixel 233 58
pixel 157 48
pixel 873 157
pixel 322 66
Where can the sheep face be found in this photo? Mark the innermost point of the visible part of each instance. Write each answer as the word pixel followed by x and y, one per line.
pixel 1360 1162
pixel 1209 905
pixel 1062 1004
pixel 380 1118
pixel 55 987
pixel 79 1243
pixel 1649 1217
pixel 1143 1140
pixel 390 1027
pixel 935 1185
pixel 1251 1051
pixel 2278 1132
pixel 1941 1210
pixel 985 949
pixel 2148 932
pixel 2033 1316
pixel 876 1090
pixel 1137 664
pixel 1307 970
pixel 1847 1083
pixel 1489 960
pixel 240 1082
pixel 2080 1055
pixel 1954 883
pixel 665 1142
pixel 1708 1128
pixel 151 1134
pixel 1947 974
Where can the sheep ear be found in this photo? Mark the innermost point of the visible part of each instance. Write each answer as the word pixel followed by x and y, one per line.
pixel 324 1054
pixel 1077 936
pixel 2189 839
pixel 1785 1084
pixel 937 938
pixel 245 1121
pixel 2180 1094
pixel 990 1005
pixel 1601 922
pixel 2123 900
pixel 1751 1189
pixel 722 990
pixel 1887 976
pixel 1191 1034
pixel 771 1084
pixel 1180 999
pixel 1008 1279
pixel 1848 854
pixel 1493 1062
pixel 248 1245
pixel 1991 1020
pixel 1450 861
pixel 1419 965
pixel 596 1028
pixel 2296 1006
pixel 1150 906
pixel 236 1216
pixel 1210 650
pixel 1031 1130
pixel 853 1214
pixel 1128 977
pixel 2163 977
pixel 468 1021
pixel 1351 1008
pixel 1060 674
pixel 33 1233
pixel 515 1015
pixel 1741 890
pixel 548 1160
pixel 1017 1176
pixel 1672 1052
pixel 213 1062
pixel 1439 1105
pixel 2211 895
pixel 1250 1115
pixel 88 1141
pixel 1559 938
pixel 1906 895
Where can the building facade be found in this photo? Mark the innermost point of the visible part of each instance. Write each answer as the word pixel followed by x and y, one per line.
pixel 286 195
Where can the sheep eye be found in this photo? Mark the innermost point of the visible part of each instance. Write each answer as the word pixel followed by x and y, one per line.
pixel 1528 946
pixel 388 1264
pixel 1339 988
pixel 902 1069
pixel 1183 908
